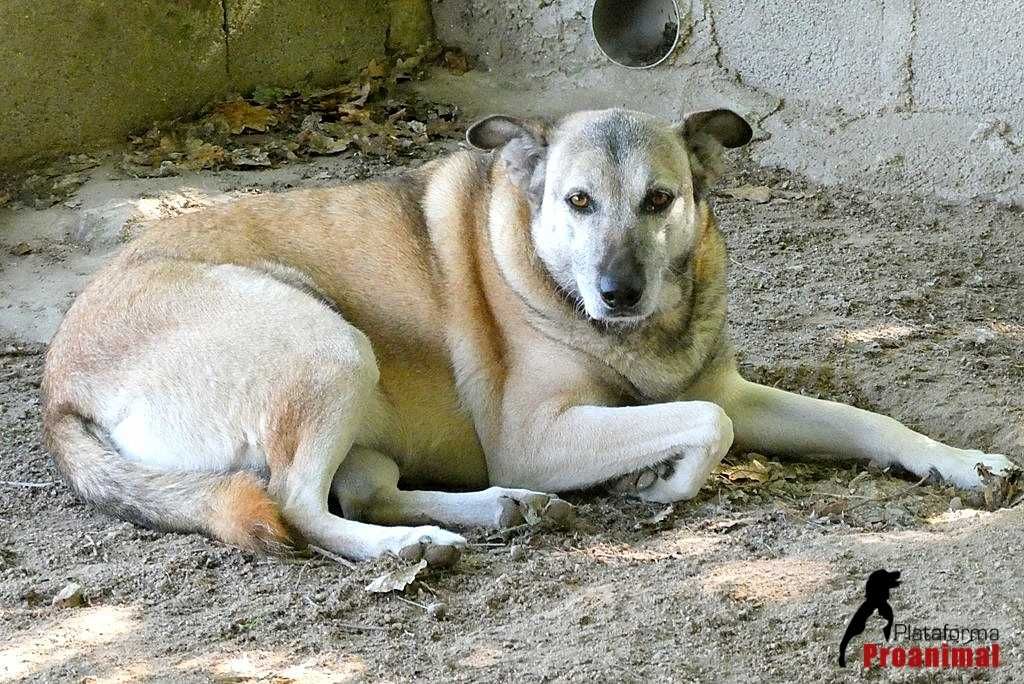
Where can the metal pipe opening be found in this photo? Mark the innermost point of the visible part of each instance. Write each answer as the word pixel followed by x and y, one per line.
pixel 636 33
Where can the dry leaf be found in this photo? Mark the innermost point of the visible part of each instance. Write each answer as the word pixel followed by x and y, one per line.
pixel 396 580
pixel 1001 491
pixel 456 61
pixel 351 114
pixel 203 155
pixel 375 70
pixel 751 193
pixel 319 143
pixel 365 114
pixel 753 471
pixel 239 115
pixel 657 519
pixel 530 516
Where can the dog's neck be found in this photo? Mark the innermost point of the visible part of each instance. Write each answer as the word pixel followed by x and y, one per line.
pixel 657 359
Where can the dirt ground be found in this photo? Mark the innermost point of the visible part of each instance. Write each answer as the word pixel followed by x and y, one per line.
pixel 894 304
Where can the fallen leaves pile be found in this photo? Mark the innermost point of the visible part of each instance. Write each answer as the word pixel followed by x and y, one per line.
pixel 273 126
pixel 370 115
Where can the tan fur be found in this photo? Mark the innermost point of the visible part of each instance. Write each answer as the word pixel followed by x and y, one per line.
pixel 246 517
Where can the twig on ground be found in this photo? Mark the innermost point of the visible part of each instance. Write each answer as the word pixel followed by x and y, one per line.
pixel 333 556
pixel 410 601
pixel 749 267
pixel 864 500
pixel 14 483
pixel 358 628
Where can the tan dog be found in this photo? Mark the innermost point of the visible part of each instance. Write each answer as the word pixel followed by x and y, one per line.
pixel 548 316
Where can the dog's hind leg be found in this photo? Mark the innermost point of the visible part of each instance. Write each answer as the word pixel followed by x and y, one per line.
pixel 773 421
pixel 315 444
pixel 304 503
pixel 366 486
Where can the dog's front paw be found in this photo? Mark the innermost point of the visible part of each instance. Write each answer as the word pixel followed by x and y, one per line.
pixel 983 465
pixel 439 547
pixel 680 478
pixel 965 467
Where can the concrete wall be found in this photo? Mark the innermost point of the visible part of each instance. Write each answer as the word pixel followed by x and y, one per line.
pixel 77 73
pixel 925 96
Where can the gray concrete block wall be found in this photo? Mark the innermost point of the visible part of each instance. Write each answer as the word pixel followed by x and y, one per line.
pixel 969 56
pixel 75 74
pixel 806 50
pixel 918 95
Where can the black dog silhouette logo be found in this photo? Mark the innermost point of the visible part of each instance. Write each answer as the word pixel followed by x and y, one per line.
pixel 876 599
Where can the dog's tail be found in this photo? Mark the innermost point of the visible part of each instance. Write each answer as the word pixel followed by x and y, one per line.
pixel 231 507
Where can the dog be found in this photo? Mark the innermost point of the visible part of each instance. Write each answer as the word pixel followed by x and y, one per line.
pixel 876 598
pixel 541 313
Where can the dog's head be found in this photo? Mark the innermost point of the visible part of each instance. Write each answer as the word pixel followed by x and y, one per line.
pixel 614 197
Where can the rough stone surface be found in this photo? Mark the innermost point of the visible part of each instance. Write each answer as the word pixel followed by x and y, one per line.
pixel 412 25
pixel 899 94
pixel 321 41
pixel 74 73
pixel 803 50
pixel 967 57
pixel 77 74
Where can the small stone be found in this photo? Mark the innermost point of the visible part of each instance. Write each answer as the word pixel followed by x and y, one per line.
pixel 955 504
pixel 907 296
pixel 872 347
pixel 68 597
pixel 517 552
pixel 437 610
pixel 21 249
pixel 982 336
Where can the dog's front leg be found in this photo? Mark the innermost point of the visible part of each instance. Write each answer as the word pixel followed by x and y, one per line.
pixel 558 447
pixel 773 421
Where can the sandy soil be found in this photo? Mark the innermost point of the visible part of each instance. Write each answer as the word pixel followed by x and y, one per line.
pixel 896 305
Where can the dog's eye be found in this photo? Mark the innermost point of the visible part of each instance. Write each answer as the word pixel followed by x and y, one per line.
pixel 657 200
pixel 579 200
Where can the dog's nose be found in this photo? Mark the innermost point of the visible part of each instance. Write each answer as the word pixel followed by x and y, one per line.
pixel 621 291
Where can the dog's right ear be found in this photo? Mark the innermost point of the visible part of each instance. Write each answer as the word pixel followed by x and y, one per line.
pixel 706 134
pixel 523 146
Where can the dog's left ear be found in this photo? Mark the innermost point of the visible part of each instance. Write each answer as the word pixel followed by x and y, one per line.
pixel 524 147
pixel 706 134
